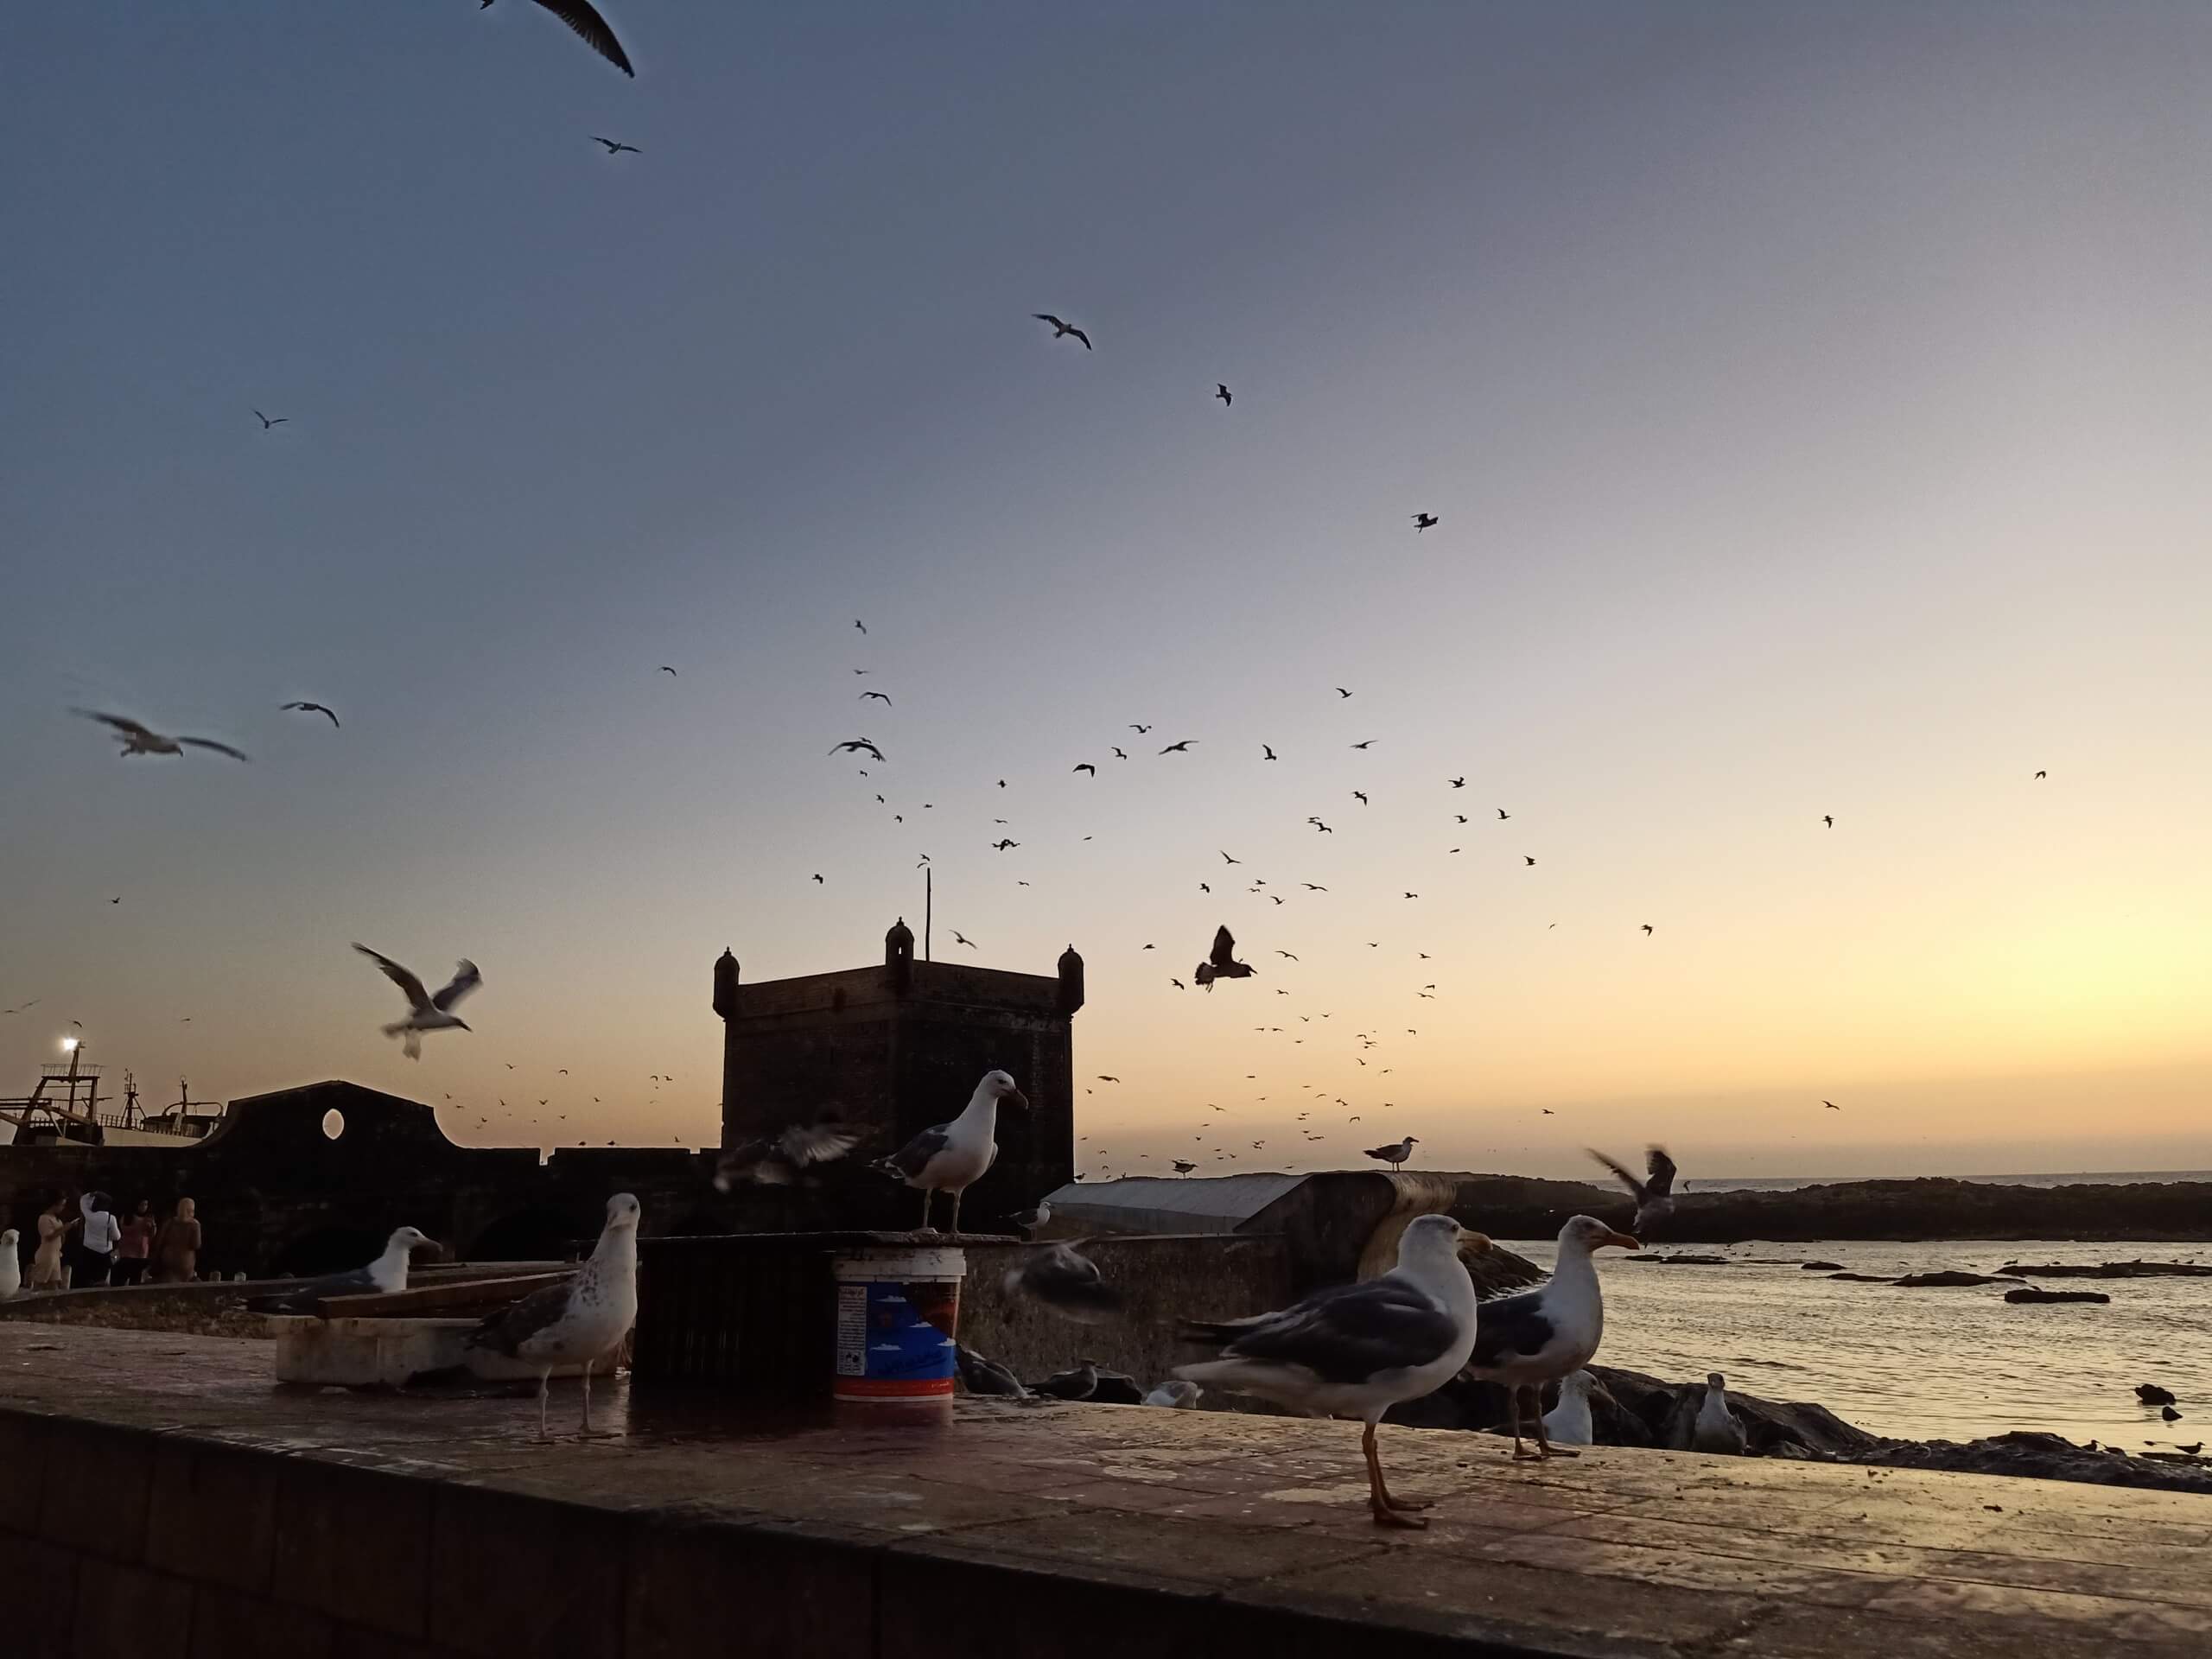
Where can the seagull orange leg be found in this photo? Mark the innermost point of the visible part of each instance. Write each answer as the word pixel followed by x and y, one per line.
pixel 1544 1446
pixel 1520 1451
pixel 1378 1498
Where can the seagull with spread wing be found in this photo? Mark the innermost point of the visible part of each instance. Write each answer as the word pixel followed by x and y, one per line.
pixel 318 709
pixel 1062 329
pixel 1654 1196
pixel 857 745
pixel 590 27
pixel 424 1012
pixel 615 148
pixel 1221 963
pixel 142 740
pixel 783 1160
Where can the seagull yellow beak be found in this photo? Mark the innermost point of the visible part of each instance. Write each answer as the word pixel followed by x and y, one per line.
pixel 1621 1239
pixel 1017 1098
pixel 1474 1244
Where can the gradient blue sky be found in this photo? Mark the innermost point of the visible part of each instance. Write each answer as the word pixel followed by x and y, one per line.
pixel 1813 396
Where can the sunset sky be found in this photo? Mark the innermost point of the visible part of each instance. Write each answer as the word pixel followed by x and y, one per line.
pixel 1813 398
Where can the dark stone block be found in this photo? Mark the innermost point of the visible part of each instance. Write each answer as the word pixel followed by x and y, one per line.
pixel 124 1611
pixel 94 1495
pixel 355 1545
pixel 698 1592
pixel 214 1515
pixel 22 1463
pixel 227 1625
pixel 512 1575
pixel 38 1586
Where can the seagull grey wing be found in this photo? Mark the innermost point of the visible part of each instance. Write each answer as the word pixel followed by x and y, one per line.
pixel 1510 1325
pixel 1352 1332
pixel 1662 1184
pixel 814 1143
pixel 129 727
pixel 1627 1178
pixel 913 1158
pixel 465 980
pixel 1224 953
pixel 210 743
pixel 354 1282
pixel 410 987
pixel 517 1323
pixel 1046 316
pixel 1080 336
pixel 592 29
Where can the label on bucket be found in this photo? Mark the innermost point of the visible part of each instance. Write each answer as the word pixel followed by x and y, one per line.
pixel 894 1340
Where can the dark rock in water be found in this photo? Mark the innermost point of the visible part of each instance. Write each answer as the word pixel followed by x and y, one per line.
pixel 2111 1270
pixel 1943 1281
pixel 2169 1413
pixel 2151 1394
pixel 1864 1278
pixel 1682 1260
pixel 1821 1267
pixel 2029 1294
pixel 1117 1388
pixel 2044 1457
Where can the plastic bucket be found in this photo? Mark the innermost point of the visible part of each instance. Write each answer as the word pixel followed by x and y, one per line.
pixel 897 1323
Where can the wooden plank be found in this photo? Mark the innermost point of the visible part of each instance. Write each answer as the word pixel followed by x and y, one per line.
pixel 438 1298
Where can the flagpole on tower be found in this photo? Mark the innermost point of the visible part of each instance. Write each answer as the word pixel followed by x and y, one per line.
pixel 929 896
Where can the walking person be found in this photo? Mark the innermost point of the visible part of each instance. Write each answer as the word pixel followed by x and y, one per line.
pixel 134 1248
pixel 176 1247
pixel 45 1261
pixel 96 1242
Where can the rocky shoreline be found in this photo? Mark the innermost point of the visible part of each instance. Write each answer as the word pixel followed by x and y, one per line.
pixel 1514 1207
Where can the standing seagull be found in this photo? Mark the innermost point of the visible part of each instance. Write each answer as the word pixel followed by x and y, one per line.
pixel 576 1322
pixel 1358 1350
pixel 1061 328
pixel 614 149
pixel 952 1157
pixel 1397 1153
pixel 590 27
pixel 1654 1198
pixel 1222 392
pixel 318 709
pixel 1714 1430
pixel 386 1276
pixel 141 740
pixel 1569 1422
pixel 1544 1334
pixel 425 1012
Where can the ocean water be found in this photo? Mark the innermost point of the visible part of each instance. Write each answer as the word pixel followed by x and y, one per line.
pixel 1923 1364
pixel 1791 1183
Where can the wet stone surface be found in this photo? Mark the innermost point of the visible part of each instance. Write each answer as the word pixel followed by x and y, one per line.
pixel 442 1520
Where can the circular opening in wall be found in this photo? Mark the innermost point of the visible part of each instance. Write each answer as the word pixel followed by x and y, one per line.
pixel 334 1123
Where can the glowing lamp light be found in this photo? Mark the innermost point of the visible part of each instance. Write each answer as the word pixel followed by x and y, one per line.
pixel 68 1044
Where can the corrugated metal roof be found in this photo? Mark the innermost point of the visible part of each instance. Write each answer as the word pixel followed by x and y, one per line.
pixel 1171 1204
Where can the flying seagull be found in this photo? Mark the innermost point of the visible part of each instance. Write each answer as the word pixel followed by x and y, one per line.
pixel 671 672
pixel 879 696
pixel 1342 692
pixel 1647 926
pixel 614 149
pixel 1655 1197
pixel 1139 730
pixel 783 1160
pixel 1358 1350
pixel 424 1012
pixel 386 1276
pixel 1061 328
pixel 1266 752
pixel 1184 747
pixel 140 739
pixel 317 708
pixel 959 938
pixel 1829 818
pixel 577 1323
pixel 1087 766
pixel 267 422
pixel 590 27
pixel 1221 963
pixel 952 1157
pixel 1365 743
pixel 862 627
pixel 855 745
pixel 1457 783
pixel 1222 392
pixel 2043 774
pixel 1423 521
pixel 1065 1281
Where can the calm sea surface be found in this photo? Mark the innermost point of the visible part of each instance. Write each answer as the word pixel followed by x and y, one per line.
pixel 1923 1364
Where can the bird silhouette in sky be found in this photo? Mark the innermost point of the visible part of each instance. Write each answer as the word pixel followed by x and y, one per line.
pixel 142 740
pixel 1367 743
pixel 1119 753
pixel 1221 963
pixel 880 696
pixel 280 420
pixel 318 709
pixel 1424 521
pixel 1647 929
pixel 1226 858
pixel 1003 844
pixel 1060 329
pixel 1457 783
pixel 1313 886
pixel 1267 752
pixel 1829 818
pixel 615 148
pixel 1183 747
pixel 862 627
pixel 1342 692
pixel 1831 1105
pixel 2043 774
pixel 1527 860
pixel 959 938
pixel 1139 730
pixel 589 27
pixel 1222 392
pixel 855 745
pixel 1285 954
pixel 818 881
pixel 1087 766
pixel 1360 795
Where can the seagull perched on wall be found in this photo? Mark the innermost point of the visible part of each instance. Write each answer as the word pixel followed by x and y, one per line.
pixel 424 1012
pixel 981 1375
pixel 578 1323
pixel 142 740
pixel 1541 1335
pixel 1715 1429
pixel 952 1157
pixel 783 1160
pixel 1066 1281
pixel 386 1276
pixel 1655 1197
pixel 1356 1350
pixel 1396 1154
